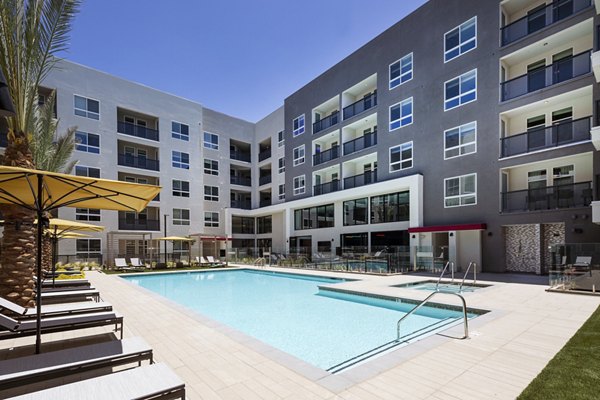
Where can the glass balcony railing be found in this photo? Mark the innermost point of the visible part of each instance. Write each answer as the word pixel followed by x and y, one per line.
pixel 360 179
pixel 534 21
pixel 265 203
pixel 557 72
pixel 138 162
pixel 263 155
pixel 326 155
pixel 363 142
pixel 137 130
pixel 548 197
pixel 239 155
pixel 126 224
pixel 241 180
pixel 326 122
pixel 263 180
pixel 242 204
pixel 546 137
pixel 360 106
pixel 328 187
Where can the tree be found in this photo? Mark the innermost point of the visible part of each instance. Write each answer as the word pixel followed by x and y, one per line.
pixel 32 33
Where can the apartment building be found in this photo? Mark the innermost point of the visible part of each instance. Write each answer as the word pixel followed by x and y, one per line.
pixel 472 140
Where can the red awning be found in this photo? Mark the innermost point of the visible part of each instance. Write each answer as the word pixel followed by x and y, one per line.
pixel 447 228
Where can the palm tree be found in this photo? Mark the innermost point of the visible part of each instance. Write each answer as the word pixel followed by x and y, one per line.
pixel 32 32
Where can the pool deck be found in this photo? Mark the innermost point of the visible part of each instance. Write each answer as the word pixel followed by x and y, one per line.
pixel 507 347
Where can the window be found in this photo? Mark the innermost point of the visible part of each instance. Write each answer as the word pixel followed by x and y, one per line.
pixel 88 108
pixel 282 192
pixel 280 139
pixel 264 224
pixel 460 40
pixel 356 212
pixel 211 167
pixel 181 188
pixel 281 165
pixel 314 217
pixel 180 131
pixel 211 141
pixel 401 157
pixel 81 170
pixel 401 114
pixel 89 248
pixel 180 160
pixel 460 191
pixel 298 126
pixel 244 225
pixel 211 193
pixel 460 141
pixel 181 216
pixel 87 142
pixel 299 155
pixel 401 71
pixel 299 185
pixel 87 214
pixel 461 90
pixel 393 207
pixel 211 219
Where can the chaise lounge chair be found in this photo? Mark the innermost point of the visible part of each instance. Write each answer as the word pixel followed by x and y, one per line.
pixel 53 310
pixel 136 264
pixel 10 328
pixel 65 283
pixel 582 264
pixel 213 262
pixel 156 381
pixel 19 372
pixel 120 264
pixel 65 296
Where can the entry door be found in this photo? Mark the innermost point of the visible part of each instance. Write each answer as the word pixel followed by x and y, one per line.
pixel 536 18
pixel 536 75
pixel 562 66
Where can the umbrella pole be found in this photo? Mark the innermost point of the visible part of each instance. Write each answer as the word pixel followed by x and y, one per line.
pixel 38 300
pixel 54 256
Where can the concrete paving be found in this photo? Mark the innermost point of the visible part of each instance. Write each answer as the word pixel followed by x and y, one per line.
pixel 507 348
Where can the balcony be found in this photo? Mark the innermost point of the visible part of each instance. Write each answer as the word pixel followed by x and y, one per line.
pixel 552 13
pixel 265 202
pixel 548 198
pixel 138 162
pixel 265 179
pixel 365 178
pixel 263 155
pixel 239 155
pixel 326 155
pixel 241 180
pixel 360 143
pixel 326 122
pixel 557 72
pixel 546 137
pixel 126 224
pixel 137 130
pixel 325 188
pixel 360 106
pixel 244 205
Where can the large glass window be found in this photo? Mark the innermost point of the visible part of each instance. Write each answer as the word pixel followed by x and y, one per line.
pixel 211 193
pixel 298 125
pixel 282 191
pixel 180 131
pixel 88 108
pixel 81 170
pixel 393 207
pixel 281 165
pixel 89 248
pixel 460 40
pixel 401 71
pixel 299 185
pixel 401 114
pixel 280 139
pixel 87 142
pixel 461 90
pixel 314 217
pixel 243 225
pixel 211 219
pixel 181 188
pixel 211 141
pixel 356 212
pixel 87 214
pixel 181 216
pixel 401 157
pixel 460 140
pixel 180 160
pixel 460 191
pixel 299 155
pixel 264 224
pixel 211 167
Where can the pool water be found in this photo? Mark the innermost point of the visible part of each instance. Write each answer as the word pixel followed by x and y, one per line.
pixel 289 312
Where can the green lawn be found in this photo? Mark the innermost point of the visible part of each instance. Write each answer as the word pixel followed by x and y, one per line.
pixel 111 271
pixel 574 373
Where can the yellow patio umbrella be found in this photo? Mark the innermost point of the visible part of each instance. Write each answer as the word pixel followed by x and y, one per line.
pixel 179 239
pixel 43 191
pixel 73 235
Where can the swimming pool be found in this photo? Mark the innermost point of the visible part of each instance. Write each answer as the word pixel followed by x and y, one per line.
pixel 454 287
pixel 291 313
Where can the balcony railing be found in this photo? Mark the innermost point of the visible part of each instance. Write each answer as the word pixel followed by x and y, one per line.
pixel 546 137
pixel 263 155
pixel 365 178
pixel 138 162
pixel 363 142
pixel 326 122
pixel 239 155
pixel 326 155
pixel 242 204
pixel 241 180
pixel 325 188
pixel 139 224
pixel 265 203
pixel 361 105
pixel 548 198
pixel 263 180
pixel 557 72
pixel 137 130
pixel 552 13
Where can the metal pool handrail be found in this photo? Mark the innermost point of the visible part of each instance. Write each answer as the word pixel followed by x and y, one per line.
pixel 472 263
pixel 464 309
pixel 443 272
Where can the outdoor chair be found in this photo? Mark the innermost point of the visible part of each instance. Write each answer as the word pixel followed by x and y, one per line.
pixel 156 381
pixel 53 310
pixel 19 372
pixel 11 328
pixel 582 263
pixel 213 262
pixel 70 295
pixel 64 283
pixel 120 263
pixel 136 263
pixel 204 261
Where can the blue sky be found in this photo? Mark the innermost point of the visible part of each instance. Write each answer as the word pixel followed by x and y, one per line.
pixel 240 57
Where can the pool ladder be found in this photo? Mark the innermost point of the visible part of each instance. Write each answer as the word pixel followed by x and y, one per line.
pixel 421 304
pixel 474 265
pixel 451 265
